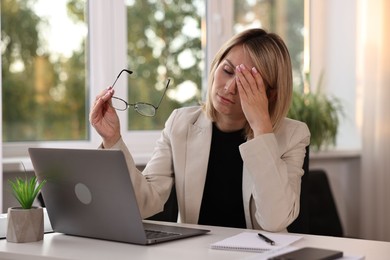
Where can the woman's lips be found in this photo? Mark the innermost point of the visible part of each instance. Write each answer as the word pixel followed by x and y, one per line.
pixel 225 100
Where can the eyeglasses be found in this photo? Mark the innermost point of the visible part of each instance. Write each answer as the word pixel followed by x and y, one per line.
pixel 142 108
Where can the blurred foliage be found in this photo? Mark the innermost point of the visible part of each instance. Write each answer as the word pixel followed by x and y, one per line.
pixel 284 17
pixel 76 10
pixel 43 96
pixel 321 114
pixel 158 39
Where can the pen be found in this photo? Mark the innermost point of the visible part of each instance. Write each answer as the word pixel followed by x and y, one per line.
pixel 266 239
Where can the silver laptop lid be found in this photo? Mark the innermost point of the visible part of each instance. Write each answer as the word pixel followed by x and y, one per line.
pixel 89 193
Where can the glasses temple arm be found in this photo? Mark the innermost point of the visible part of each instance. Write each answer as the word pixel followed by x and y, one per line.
pixel 128 71
pixel 163 95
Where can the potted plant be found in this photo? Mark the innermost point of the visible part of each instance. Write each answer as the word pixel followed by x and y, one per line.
pixel 25 223
pixel 321 114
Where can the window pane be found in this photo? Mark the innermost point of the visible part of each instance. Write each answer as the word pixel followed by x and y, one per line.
pixel 43 70
pixel 164 41
pixel 284 17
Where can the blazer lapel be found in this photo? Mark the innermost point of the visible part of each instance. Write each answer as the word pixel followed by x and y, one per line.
pixel 198 149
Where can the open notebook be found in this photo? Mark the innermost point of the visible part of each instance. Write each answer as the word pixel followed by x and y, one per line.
pixel 250 241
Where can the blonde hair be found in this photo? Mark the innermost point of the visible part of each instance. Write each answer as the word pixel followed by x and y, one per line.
pixel 272 59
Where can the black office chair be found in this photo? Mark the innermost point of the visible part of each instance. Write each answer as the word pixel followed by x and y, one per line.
pixel 323 215
pixel 171 209
pixel 301 223
pixel 318 212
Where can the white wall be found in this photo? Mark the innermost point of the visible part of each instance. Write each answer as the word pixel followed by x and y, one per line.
pixel 333 55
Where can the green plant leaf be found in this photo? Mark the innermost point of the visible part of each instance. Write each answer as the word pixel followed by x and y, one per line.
pixel 26 190
pixel 320 113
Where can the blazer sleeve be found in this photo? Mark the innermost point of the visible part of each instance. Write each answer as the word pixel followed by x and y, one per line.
pixel 273 163
pixel 152 186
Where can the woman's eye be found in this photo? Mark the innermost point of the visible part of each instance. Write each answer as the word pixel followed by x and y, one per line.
pixel 228 70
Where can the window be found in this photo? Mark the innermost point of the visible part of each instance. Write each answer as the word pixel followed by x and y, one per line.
pixel 54 111
pixel 43 70
pixel 164 41
pixel 104 38
pixel 284 17
pixel 155 39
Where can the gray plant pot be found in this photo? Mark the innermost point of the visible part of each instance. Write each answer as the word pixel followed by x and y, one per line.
pixel 25 225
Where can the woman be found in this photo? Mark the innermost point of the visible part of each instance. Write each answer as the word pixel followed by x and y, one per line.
pixel 235 161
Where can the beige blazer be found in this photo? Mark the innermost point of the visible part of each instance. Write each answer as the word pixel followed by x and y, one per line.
pixel 272 170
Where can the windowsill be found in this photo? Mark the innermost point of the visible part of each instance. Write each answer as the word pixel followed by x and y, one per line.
pixel 141 159
pixel 15 164
pixel 335 154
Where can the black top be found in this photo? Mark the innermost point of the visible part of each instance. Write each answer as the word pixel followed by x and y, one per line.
pixel 222 203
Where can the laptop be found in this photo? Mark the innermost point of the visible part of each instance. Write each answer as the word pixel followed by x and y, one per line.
pixel 89 193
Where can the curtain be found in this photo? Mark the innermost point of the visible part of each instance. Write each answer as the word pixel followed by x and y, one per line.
pixel 373 74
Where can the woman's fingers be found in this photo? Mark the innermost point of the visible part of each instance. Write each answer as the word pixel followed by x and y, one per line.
pixel 259 80
pixel 250 80
pixel 254 101
pixel 100 105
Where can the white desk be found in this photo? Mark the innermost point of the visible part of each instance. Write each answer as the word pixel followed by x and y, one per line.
pixel 60 246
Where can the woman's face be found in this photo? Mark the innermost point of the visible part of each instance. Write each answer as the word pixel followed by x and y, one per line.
pixel 224 93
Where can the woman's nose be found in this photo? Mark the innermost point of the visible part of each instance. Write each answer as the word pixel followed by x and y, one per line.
pixel 231 87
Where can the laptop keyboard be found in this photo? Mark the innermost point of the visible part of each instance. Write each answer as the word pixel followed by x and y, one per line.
pixel 153 234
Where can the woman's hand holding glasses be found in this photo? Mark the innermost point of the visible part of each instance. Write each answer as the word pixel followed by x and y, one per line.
pixel 104 118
